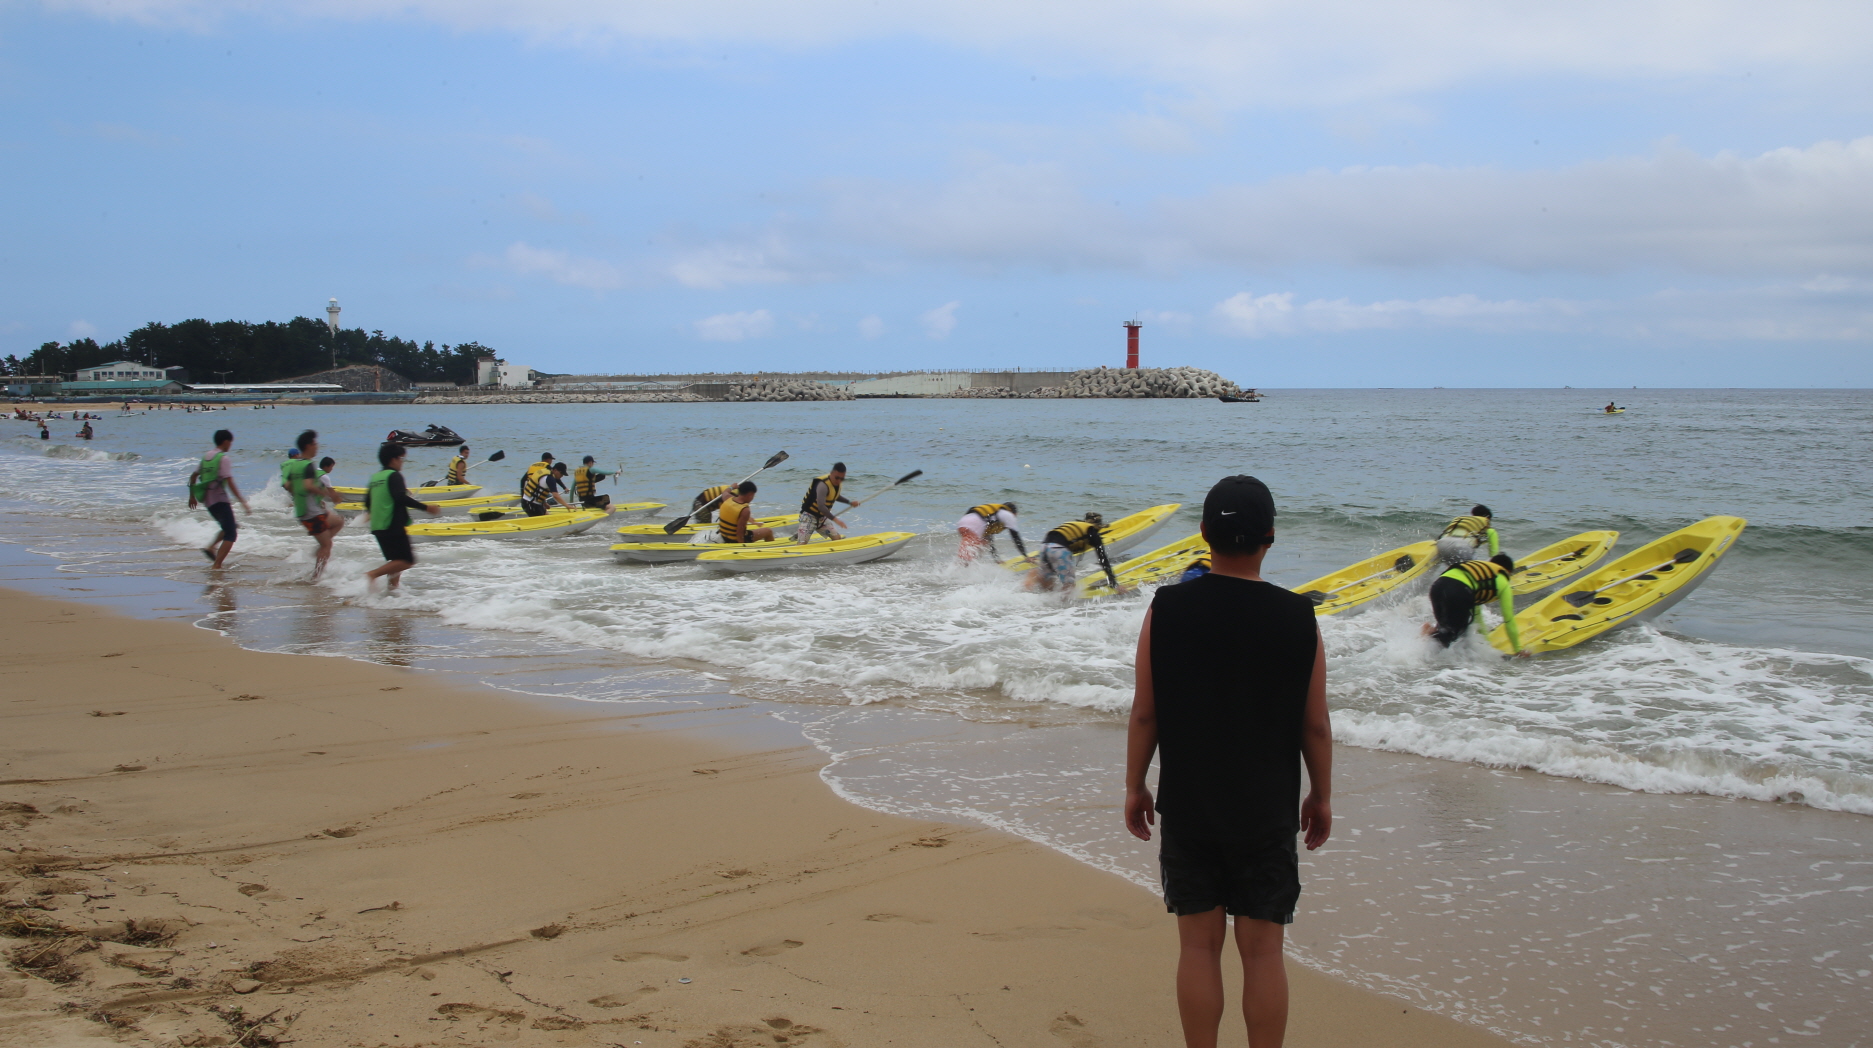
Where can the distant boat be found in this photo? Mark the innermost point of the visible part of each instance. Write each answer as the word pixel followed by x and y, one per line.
pixel 1252 398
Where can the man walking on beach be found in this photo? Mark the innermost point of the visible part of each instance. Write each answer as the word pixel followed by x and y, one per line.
pixel 209 485
pixel 387 500
pixel 1231 690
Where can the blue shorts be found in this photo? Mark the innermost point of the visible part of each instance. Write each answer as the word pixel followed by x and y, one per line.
pixel 1056 564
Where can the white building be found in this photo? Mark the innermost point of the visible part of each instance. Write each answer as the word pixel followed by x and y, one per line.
pixel 120 371
pixel 514 376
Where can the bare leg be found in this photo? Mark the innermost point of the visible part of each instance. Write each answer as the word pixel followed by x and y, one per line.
pixel 392 568
pixel 1264 981
pixel 1200 938
pixel 222 548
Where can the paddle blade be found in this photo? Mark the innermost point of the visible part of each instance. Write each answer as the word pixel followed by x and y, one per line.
pixel 1317 596
pixel 1685 556
pixel 779 457
pixel 912 475
pixel 497 456
pixel 1404 563
pixel 1580 598
pixel 676 525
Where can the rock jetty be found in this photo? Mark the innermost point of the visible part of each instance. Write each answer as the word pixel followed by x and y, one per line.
pixel 1124 383
pixel 562 398
pixel 778 389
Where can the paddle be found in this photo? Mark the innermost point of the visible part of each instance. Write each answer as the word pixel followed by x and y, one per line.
pixel 1582 598
pixel 683 521
pixel 1576 555
pixel 1405 562
pixel 912 475
pixel 496 457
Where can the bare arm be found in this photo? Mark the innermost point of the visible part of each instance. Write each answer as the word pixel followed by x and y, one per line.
pixel 1317 753
pixel 1141 742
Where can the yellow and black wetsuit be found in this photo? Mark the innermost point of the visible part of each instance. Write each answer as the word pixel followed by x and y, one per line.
pixel 1458 596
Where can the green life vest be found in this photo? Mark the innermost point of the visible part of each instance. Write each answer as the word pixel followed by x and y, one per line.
pixel 209 473
pixel 293 477
pixel 377 493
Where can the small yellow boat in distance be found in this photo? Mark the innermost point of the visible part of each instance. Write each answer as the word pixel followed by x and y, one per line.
pixel 655 532
pixel 1165 562
pixel 1641 585
pixel 1561 561
pixel 624 510
pixel 550 525
pixel 433 493
pixel 1119 536
pixel 765 556
pixel 1369 579
pixel 455 507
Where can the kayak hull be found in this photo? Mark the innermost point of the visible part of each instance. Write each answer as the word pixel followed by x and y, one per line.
pixel 453 507
pixel 1637 587
pixel 552 525
pixel 678 552
pixel 655 533
pixel 433 493
pixel 1561 561
pixel 1121 535
pixel 858 549
pixel 1359 584
pixel 1165 562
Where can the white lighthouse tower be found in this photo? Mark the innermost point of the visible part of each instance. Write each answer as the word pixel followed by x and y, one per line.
pixel 331 315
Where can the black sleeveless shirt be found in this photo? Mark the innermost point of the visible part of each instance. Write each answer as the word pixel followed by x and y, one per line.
pixel 1230 663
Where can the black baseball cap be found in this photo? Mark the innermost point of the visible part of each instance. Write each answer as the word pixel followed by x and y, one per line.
pixel 1239 512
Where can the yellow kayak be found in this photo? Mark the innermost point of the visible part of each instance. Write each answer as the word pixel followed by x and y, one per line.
pixel 1165 562
pixel 626 510
pixel 1641 585
pixel 453 507
pixel 764 556
pixel 551 525
pixel 1563 560
pixel 434 493
pixel 1358 583
pixel 655 532
pixel 1120 535
pixel 676 552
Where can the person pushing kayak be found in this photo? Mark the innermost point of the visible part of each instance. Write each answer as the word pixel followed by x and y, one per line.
pixel 1054 566
pixel 981 524
pixel 701 509
pixel 816 509
pixel 387 500
pixel 458 467
pixel 210 485
pixel 1458 596
pixel 734 519
pixel 533 485
pixel 313 499
pixel 1463 536
pixel 555 485
pixel 585 485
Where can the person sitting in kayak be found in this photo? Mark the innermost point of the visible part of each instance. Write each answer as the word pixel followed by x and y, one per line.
pixel 533 485
pixel 1458 596
pixel 585 485
pixel 702 509
pixel 816 509
pixel 458 467
pixel 981 524
pixel 1463 536
pixel 1054 566
pixel 1611 407
pixel 555 486
pixel 1197 569
pixel 734 518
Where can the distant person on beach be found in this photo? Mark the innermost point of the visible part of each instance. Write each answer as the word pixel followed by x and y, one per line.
pixel 1458 596
pixel 978 527
pixel 1463 536
pixel 701 510
pixel 1055 566
pixel 585 485
pixel 314 501
pixel 1231 692
pixel 210 485
pixel 816 509
pixel 458 467
pixel 387 499
pixel 735 517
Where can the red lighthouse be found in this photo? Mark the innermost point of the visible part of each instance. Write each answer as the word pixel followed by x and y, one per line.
pixel 1131 343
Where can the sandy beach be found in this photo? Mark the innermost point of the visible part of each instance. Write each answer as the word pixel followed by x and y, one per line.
pixel 207 845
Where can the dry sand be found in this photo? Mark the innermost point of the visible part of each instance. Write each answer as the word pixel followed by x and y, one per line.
pixel 206 845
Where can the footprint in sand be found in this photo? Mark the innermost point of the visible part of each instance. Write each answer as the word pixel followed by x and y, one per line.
pixel 1071 1030
pixel 621 1000
pixel 650 955
pixel 886 917
pixel 769 949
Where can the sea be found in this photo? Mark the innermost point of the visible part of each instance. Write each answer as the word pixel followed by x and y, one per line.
pixel 1660 837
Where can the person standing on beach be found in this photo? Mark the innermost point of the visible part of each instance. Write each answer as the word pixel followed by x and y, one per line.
pixel 1464 535
pixel 209 485
pixel 816 509
pixel 1231 692
pixel 387 499
pixel 978 527
pixel 314 501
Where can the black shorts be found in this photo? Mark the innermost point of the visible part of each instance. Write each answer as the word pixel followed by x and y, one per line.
pixel 223 512
pixel 533 509
pixel 1453 605
pixel 595 501
pixel 395 542
pixel 1255 877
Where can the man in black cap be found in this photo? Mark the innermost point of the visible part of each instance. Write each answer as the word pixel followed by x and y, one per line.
pixel 1231 692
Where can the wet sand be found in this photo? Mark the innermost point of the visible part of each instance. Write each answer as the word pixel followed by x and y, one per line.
pixel 198 837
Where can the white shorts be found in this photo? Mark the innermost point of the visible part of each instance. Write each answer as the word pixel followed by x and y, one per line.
pixel 711 537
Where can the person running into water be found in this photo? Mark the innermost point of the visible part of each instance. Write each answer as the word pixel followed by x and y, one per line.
pixel 533 485
pixel 387 499
pixel 734 519
pixel 1458 596
pixel 1230 693
pixel 458 467
pixel 210 485
pixel 981 524
pixel 585 485
pixel 1464 535
pixel 816 509
pixel 700 508
pixel 1054 566
pixel 313 499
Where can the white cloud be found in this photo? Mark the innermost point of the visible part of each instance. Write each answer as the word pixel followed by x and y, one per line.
pixel 562 268
pixel 724 265
pixel 735 327
pixel 1257 52
pixel 81 329
pixel 939 322
pixel 871 327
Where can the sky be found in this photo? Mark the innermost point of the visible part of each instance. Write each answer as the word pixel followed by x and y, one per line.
pixel 1354 194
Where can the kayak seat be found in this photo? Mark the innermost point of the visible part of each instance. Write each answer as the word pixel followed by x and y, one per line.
pixel 1645 578
pixel 1603 600
pixel 1566 618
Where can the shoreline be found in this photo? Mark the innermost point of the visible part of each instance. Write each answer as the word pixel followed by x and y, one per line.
pixel 453 864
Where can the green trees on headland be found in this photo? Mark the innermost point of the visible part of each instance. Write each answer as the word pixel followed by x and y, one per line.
pixel 237 351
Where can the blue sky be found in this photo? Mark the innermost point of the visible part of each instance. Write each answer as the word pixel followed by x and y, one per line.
pixel 1436 193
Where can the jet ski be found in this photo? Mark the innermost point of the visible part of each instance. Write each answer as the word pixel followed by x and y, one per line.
pixel 433 437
